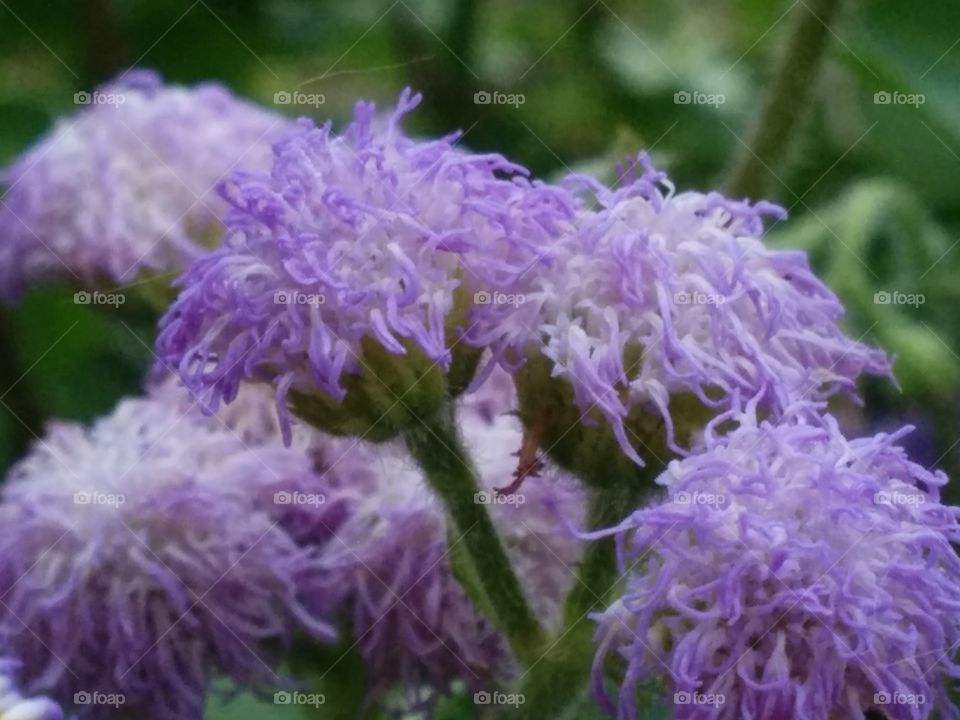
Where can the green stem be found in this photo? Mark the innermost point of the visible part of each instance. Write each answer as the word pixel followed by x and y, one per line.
pixel 562 675
pixel 19 397
pixel 436 446
pixel 787 94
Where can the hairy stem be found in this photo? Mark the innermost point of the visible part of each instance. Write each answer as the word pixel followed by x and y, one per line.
pixel 436 446
pixel 562 674
pixel 18 398
pixel 793 78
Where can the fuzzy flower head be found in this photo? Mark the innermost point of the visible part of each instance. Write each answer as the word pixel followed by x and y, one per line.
pixel 789 573
pixel 153 551
pixel 126 185
pixel 657 295
pixel 413 621
pixel 348 260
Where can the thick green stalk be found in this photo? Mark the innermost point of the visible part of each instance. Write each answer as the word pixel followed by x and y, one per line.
pixel 562 674
pixel 786 97
pixel 436 446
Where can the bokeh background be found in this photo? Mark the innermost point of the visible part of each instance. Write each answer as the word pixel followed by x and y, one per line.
pixel 869 175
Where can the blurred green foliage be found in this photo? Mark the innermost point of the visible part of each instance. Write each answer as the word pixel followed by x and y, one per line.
pixel 870 186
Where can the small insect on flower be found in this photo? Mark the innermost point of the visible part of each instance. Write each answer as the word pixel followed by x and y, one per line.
pixel 413 621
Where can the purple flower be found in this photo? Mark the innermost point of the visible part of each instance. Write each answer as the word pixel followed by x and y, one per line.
pixel 657 294
pixel 366 237
pixel 155 550
pixel 14 706
pixel 124 186
pixel 789 573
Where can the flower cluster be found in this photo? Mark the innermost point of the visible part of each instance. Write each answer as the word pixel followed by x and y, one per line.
pixel 161 546
pixel 146 554
pixel 658 294
pixel 363 279
pixel 790 573
pixel 369 236
pixel 126 184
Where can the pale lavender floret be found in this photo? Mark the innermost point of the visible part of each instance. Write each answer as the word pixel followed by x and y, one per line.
pixel 686 279
pixel 792 573
pixel 14 706
pixel 150 553
pixel 126 184
pixel 363 235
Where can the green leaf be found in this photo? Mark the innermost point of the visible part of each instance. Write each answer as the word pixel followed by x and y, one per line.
pixel 337 673
pixel 876 241
pixel 79 359
pixel 909 48
pixel 249 706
